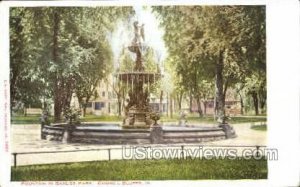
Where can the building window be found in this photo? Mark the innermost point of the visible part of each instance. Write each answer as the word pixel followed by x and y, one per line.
pixel 103 94
pixel 97 106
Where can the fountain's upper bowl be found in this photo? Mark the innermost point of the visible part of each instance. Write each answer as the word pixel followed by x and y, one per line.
pixel 137 75
pixel 137 48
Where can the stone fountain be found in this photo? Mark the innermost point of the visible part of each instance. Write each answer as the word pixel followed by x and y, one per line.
pixel 138 113
pixel 140 121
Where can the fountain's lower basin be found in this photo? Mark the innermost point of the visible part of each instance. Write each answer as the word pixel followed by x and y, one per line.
pixel 108 134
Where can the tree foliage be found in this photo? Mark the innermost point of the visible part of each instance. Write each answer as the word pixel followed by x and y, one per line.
pixel 220 44
pixel 58 51
pixel 64 48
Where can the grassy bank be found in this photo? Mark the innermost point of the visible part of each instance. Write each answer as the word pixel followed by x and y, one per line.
pixel 175 169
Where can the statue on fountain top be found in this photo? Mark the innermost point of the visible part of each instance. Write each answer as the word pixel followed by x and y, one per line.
pixel 137 44
pixel 139 34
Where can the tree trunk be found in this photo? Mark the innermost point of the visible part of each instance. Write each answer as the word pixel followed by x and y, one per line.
pixel 119 106
pixel 199 106
pixel 262 106
pixel 262 99
pixel 171 107
pixel 179 99
pixel 191 102
pixel 87 100
pixel 215 104
pixel 57 90
pixel 25 111
pixel 63 87
pixel 68 92
pixel 160 101
pixel 109 107
pixel 242 103
pixel 44 104
pixel 205 107
pixel 84 111
pixel 220 96
pixel 167 105
pixel 81 104
pixel 255 101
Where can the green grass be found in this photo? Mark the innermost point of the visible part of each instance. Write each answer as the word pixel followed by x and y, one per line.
pixel 34 119
pixel 93 118
pixel 242 119
pixel 210 119
pixel 29 119
pixel 175 169
pixel 259 127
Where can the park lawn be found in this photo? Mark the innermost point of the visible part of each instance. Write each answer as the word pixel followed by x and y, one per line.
pixel 211 120
pixel 165 169
pixel 94 118
pixel 259 127
pixel 34 119
pixel 29 119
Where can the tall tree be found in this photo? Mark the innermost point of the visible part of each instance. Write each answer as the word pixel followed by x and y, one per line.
pixel 224 40
pixel 27 88
pixel 66 43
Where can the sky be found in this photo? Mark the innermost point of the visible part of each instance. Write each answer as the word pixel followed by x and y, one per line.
pixel 123 34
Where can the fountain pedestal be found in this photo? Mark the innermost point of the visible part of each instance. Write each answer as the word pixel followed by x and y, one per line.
pixel 138 111
pixel 137 118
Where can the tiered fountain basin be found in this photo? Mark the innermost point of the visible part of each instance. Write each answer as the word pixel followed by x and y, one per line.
pixel 138 113
pixel 110 134
pixel 145 77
